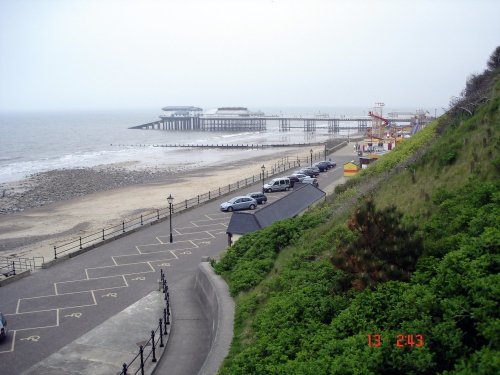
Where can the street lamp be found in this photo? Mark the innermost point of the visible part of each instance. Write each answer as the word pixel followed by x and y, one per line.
pixel 170 200
pixel 311 157
pixel 263 169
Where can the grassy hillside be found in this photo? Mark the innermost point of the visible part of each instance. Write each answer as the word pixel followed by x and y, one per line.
pixel 405 282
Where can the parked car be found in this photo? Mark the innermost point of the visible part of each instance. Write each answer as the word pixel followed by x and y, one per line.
pixel 310 180
pixel 293 179
pixel 277 184
pixel 259 197
pixel 323 166
pixel 310 171
pixel 332 164
pixel 3 326
pixel 239 203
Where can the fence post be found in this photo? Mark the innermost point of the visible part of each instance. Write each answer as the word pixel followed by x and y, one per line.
pixel 186 202
pixel 154 345
pixel 55 253
pixel 161 334
pixel 123 226
pixel 219 191
pixel 14 268
pixel 237 184
pixel 124 371
pixel 164 320
pixel 80 243
pixel 198 198
pixel 141 351
pixel 103 234
pixel 141 220
pixel 158 214
pixel 209 195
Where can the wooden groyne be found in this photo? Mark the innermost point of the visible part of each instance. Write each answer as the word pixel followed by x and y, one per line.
pixel 240 146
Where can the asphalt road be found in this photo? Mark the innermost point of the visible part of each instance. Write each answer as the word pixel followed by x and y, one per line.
pixel 51 308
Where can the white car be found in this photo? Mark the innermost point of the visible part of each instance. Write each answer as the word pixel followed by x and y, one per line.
pixel 310 180
pixel 300 176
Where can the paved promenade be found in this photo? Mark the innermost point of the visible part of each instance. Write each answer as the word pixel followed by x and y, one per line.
pixel 103 299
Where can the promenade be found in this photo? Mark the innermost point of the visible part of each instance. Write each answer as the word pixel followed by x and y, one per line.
pixel 90 303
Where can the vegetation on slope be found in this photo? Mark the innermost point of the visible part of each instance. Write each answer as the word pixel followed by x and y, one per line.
pixel 323 294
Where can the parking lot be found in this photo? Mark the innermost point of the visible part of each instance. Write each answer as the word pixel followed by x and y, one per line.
pixel 53 307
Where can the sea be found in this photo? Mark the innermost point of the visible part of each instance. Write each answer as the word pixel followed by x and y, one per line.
pixel 38 141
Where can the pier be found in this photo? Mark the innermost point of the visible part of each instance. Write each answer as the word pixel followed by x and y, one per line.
pixel 186 118
pixel 308 124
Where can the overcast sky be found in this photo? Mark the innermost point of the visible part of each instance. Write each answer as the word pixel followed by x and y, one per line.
pixel 66 54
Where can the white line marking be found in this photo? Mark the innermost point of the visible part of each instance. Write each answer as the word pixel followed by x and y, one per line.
pixel 13 343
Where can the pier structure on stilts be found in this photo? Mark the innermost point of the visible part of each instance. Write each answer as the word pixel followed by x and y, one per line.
pixel 226 119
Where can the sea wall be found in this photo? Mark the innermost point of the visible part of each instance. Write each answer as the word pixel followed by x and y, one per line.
pixel 218 307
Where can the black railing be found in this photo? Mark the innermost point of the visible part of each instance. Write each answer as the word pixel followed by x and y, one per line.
pixel 150 217
pixel 10 265
pixel 158 338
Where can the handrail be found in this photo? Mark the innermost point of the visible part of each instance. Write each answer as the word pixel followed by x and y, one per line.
pixel 154 339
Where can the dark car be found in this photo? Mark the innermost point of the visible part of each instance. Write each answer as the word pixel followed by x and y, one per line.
pixel 3 326
pixel 331 163
pixel 293 180
pixel 323 166
pixel 259 197
pixel 310 171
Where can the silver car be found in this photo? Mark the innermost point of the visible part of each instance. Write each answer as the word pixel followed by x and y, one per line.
pixel 239 203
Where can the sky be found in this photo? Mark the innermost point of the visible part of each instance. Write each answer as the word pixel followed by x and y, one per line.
pixel 132 54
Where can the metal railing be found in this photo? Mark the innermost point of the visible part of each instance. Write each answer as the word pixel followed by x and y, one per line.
pixel 9 266
pixel 139 361
pixel 150 217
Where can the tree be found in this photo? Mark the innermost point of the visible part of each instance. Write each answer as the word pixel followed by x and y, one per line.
pixel 384 248
pixel 494 60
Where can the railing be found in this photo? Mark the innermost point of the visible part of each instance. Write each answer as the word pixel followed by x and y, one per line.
pixel 150 217
pixel 10 265
pixel 155 339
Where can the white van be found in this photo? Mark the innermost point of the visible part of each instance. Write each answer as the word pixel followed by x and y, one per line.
pixel 277 184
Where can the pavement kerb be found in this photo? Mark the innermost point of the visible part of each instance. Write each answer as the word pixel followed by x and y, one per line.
pixel 219 309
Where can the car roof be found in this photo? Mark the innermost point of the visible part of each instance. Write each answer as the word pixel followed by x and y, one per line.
pixel 256 192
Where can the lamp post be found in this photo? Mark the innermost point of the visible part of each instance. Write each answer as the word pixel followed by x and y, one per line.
pixel 263 169
pixel 170 200
pixel 311 151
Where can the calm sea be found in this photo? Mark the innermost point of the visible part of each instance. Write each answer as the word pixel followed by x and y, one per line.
pixel 33 142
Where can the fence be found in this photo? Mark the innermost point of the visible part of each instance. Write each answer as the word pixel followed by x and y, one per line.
pixel 155 339
pixel 150 217
pixel 10 265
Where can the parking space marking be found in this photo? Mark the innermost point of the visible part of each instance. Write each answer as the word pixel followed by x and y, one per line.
pixel 216 215
pixel 34 320
pixel 199 223
pixel 137 258
pixel 85 285
pixel 188 236
pixel 126 269
pixel 155 248
pixel 187 230
pixel 53 302
pixel 12 344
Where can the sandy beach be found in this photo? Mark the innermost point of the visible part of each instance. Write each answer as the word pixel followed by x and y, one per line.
pixel 61 205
